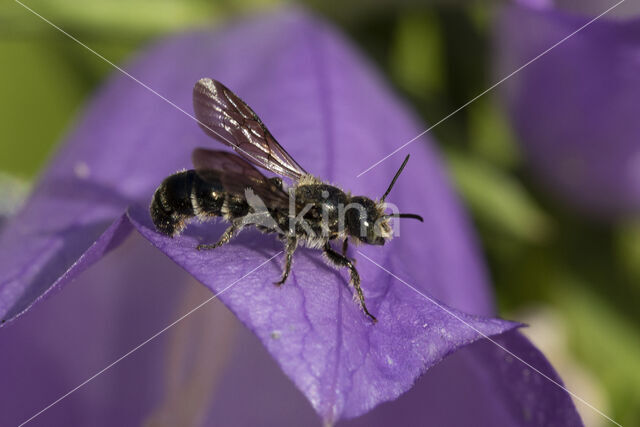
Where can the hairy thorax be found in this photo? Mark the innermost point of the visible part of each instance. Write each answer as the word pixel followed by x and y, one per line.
pixel 320 207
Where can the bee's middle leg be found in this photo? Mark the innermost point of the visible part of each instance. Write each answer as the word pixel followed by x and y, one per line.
pixel 290 247
pixel 339 260
pixel 228 234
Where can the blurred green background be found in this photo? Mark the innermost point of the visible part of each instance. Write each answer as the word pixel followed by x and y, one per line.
pixel 575 281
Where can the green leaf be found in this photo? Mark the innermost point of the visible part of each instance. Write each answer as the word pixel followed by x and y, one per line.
pixel 120 18
pixel 40 94
pixel 628 250
pixel 416 57
pixel 490 135
pixel 608 343
pixel 497 200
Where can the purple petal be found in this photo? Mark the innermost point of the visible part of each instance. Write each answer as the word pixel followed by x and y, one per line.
pixel 319 336
pixel 336 118
pixel 129 140
pixel 575 108
pixel 321 339
pixel 208 367
pixel 479 385
pixel 112 307
pixel 46 264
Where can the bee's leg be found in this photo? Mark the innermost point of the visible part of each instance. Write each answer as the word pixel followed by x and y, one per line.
pixel 290 248
pixel 226 236
pixel 342 261
pixel 345 246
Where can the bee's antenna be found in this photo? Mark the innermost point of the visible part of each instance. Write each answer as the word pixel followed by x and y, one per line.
pixel 405 215
pixel 393 181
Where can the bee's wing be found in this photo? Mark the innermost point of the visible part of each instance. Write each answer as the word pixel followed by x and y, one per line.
pixel 227 118
pixel 236 175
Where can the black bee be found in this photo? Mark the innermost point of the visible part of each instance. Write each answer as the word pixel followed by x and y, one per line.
pixel 310 213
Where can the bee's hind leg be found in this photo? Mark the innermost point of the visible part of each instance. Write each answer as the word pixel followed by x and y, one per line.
pixel 338 260
pixel 226 236
pixel 290 247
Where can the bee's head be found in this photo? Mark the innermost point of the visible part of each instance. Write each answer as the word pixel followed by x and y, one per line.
pixel 366 221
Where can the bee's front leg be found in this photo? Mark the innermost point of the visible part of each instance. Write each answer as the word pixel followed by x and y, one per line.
pixel 226 236
pixel 338 260
pixel 345 247
pixel 290 247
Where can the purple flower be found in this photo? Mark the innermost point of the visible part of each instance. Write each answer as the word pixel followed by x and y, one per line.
pixel 335 116
pixel 575 108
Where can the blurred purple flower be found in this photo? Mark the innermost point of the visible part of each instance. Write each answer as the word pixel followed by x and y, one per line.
pixel 574 110
pixel 332 113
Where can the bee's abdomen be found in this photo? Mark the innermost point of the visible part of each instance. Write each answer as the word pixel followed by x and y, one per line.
pixel 181 196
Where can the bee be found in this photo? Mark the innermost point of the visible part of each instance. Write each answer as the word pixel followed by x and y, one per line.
pixel 310 212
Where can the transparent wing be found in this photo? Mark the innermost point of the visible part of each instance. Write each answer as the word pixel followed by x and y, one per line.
pixel 236 175
pixel 227 118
